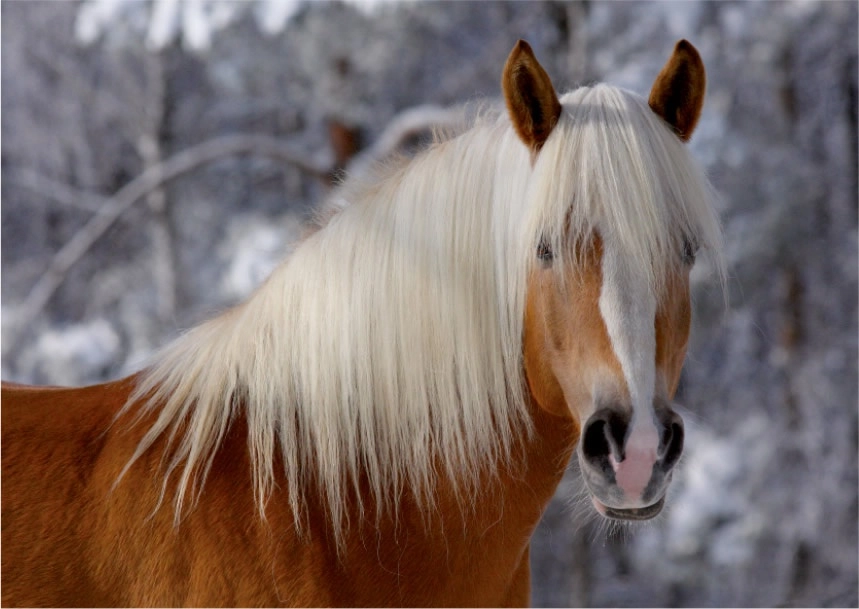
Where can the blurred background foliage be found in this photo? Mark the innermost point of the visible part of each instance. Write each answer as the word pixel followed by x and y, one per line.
pixel 158 158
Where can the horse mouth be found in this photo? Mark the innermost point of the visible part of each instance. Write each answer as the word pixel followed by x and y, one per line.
pixel 645 513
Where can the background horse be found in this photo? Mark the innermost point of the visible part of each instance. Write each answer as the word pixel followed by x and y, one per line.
pixel 386 418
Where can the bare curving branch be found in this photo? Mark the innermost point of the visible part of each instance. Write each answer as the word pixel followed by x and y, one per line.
pixel 405 125
pixel 154 177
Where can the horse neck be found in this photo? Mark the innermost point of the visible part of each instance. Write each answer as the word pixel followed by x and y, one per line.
pixel 426 551
pixel 531 481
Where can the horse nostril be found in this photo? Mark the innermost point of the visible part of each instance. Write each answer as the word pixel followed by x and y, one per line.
pixel 673 445
pixel 604 435
pixel 595 443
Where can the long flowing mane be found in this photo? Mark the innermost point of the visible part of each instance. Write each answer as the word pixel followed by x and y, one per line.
pixel 387 349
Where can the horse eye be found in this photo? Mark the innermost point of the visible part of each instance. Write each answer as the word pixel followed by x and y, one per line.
pixel 690 250
pixel 544 251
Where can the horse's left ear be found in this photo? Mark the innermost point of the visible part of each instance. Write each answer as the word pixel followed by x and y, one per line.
pixel 678 93
pixel 531 100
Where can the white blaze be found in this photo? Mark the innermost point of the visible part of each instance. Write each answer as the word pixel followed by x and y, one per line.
pixel 628 308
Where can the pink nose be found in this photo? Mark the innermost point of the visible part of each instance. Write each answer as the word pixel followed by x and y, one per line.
pixel 633 473
pixel 629 465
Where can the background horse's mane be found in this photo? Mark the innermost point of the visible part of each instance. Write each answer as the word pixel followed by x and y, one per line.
pixel 386 350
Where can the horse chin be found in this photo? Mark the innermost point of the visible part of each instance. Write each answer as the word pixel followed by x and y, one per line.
pixel 627 514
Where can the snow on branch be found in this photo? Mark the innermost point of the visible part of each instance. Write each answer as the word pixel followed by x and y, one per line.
pixel 193 22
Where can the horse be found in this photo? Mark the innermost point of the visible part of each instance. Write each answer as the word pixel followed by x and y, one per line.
pixel 385 419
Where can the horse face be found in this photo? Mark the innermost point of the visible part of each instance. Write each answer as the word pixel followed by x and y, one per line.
pixel 600 344
pixel 600 347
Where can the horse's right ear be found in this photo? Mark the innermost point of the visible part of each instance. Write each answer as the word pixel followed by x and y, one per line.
pixel 531 101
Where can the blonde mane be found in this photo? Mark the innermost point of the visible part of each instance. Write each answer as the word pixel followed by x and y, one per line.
pixel 387 349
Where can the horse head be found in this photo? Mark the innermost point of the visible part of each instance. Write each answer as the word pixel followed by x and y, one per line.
pixel 606 324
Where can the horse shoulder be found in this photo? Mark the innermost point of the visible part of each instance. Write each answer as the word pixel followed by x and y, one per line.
pixel 219 552
pixel 51 441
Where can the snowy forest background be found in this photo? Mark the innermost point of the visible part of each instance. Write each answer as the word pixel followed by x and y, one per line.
pixel 159 159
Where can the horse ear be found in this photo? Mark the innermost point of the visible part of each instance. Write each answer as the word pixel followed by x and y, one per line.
pixel 678 92
pixel 531 101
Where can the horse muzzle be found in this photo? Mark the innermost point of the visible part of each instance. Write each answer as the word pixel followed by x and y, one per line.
pixel 627 463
